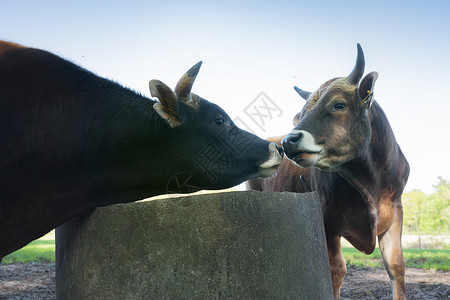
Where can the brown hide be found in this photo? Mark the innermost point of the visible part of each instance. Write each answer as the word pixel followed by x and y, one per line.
pixel 347 147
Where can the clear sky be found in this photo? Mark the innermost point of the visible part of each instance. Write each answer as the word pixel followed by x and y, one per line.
pixel 249 47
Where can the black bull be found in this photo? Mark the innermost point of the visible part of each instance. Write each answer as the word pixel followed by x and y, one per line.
pixel 72 141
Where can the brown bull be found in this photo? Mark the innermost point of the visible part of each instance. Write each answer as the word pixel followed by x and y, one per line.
pixel 358 170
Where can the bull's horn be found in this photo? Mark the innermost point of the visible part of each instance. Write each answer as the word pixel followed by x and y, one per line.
pixel 358 71
pixel 304 94
pixel 184 85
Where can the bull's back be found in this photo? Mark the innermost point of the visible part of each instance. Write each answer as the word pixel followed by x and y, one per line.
pixel 51 115
pixel 6 47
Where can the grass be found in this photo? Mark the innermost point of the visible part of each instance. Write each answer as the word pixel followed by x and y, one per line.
pixel 428 259
pixel 42 249
pixel 38 250
pixel 357 259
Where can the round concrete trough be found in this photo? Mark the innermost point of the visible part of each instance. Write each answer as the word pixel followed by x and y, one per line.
pixel 235 245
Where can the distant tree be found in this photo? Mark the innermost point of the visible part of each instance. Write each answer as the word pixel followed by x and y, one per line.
pixel 427 214
pixel 413 211
pixel 440 200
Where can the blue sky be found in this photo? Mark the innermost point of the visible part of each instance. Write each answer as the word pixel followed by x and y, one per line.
pixel 264 46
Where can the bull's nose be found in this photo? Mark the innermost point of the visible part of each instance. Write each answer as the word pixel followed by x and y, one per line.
pixel 280 150
pixel 293 138
pixel 291 141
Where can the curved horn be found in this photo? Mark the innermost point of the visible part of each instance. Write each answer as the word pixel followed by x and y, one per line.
pixel 304 94
pixel 184 85
pixel 358 71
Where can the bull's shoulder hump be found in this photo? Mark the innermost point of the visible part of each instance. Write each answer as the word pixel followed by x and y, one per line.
pixel 9 46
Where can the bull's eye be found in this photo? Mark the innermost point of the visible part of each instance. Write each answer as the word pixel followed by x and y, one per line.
pixel 219 121
pixel 338 106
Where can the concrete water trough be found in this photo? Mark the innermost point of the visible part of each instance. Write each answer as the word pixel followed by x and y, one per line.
pixel 233 245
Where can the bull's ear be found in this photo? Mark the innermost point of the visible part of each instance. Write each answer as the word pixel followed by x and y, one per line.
pixel 296 119
pixel 167 107
pixel 365 90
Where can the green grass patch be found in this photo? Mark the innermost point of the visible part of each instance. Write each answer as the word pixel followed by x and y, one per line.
pixel 38 250
pixel 357 259
pixel 428 259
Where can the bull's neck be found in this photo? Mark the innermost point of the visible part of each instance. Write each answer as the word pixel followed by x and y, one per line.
pixel 126 153
pixel 360 173
pixel 138 166
pixel 372 172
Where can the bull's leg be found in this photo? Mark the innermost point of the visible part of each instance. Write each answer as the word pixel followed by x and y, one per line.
pixel 391 249
pixel 337 264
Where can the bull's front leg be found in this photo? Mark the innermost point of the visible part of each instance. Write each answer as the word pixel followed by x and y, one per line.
pixel 391 249
pixel 337 264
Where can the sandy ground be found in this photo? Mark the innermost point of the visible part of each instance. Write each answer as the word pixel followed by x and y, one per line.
pixel 37 281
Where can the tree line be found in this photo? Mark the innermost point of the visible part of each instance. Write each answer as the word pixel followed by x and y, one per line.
pixel 427 214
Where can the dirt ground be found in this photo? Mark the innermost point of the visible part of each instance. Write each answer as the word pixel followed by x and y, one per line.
pixel 373 283
pixel 27 281
pixel 37 281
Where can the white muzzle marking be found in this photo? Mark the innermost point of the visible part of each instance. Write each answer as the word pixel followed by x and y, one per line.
pixel 274 157
pixel 307 143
